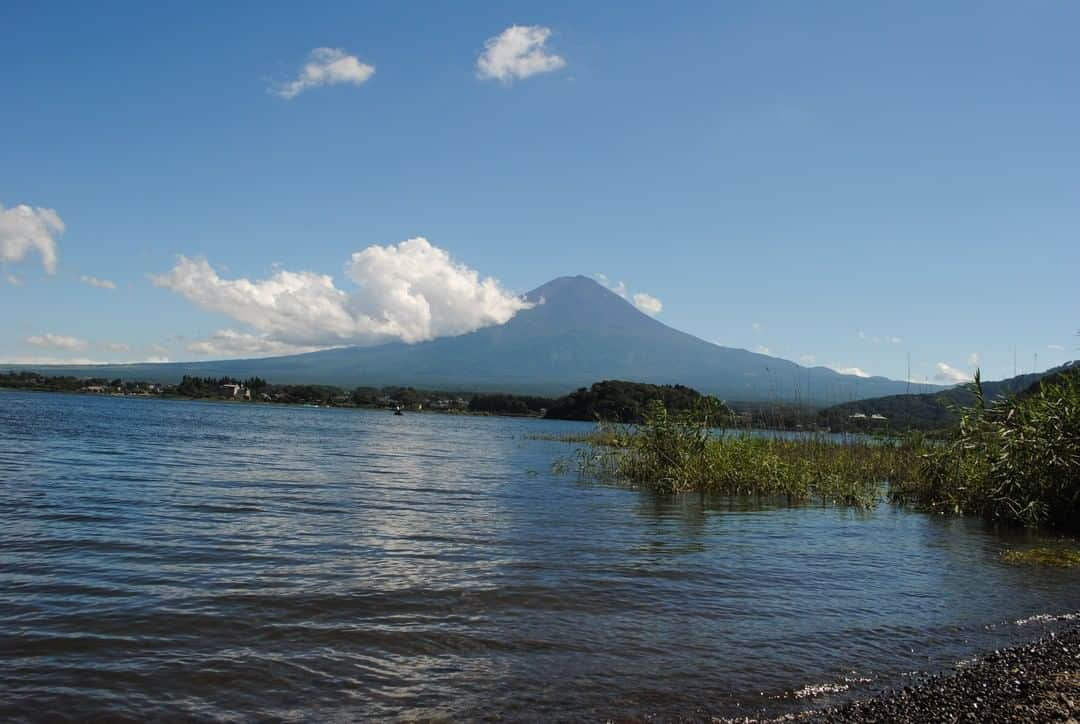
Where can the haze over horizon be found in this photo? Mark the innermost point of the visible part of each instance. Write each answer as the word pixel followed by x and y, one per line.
pixel 787 181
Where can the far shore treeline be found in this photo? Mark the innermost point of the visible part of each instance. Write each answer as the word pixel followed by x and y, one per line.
pixel 610 400
pixel 606 401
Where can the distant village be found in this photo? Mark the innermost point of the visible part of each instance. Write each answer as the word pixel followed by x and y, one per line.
pixel 250 390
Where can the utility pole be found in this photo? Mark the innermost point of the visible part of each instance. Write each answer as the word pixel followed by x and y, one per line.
pixel 908 373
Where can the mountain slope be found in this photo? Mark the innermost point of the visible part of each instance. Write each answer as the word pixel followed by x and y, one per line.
pixel 578 332
pixel 938 410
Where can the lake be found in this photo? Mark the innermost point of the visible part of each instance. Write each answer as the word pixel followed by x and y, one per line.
pixel 229 561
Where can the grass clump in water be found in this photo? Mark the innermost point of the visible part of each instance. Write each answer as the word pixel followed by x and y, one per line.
pixel 1016 460
pixel 1044 556
pixel 674 453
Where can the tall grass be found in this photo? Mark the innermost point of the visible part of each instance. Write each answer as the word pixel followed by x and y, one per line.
pixel 1017 460
pixel 676 453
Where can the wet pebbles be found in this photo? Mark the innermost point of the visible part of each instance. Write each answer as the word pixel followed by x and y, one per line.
pixel 1039 682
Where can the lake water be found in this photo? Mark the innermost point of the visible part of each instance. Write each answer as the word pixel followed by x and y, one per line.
pixel 201 560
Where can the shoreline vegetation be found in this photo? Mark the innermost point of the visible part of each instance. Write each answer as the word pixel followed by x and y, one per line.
pixel 1015 461
pixel 607 400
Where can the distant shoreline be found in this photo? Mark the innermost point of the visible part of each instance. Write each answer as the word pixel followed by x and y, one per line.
pixel 270 403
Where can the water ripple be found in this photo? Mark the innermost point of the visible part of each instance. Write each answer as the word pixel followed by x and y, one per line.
pixel 235 562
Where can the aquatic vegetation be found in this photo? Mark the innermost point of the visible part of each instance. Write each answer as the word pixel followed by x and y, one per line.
pixel 1016 460
pixel 675 452
pixel 1055 556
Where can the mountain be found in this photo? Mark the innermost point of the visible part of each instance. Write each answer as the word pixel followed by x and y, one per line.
pixel 577 333
pixel 938 410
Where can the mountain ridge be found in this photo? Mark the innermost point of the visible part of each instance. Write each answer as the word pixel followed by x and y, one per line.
pixel 577 332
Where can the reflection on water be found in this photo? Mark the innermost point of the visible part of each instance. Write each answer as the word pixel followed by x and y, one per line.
pixel 220 560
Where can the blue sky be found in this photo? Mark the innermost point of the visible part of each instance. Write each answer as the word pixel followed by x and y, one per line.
pixel 836 183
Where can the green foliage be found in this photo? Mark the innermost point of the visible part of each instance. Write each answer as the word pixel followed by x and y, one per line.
pixel 675 452
pixel 934 412
pixel 1051 556
pixel 1016 460
pixel 499 404
pixel 628 402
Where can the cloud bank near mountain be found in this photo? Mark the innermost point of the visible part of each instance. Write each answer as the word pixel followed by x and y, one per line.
pixel 410 292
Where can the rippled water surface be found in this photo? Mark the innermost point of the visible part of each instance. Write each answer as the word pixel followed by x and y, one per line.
pixel 200 560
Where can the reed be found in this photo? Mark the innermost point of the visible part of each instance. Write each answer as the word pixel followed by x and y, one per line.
pixel 1016 461
pixel 674 453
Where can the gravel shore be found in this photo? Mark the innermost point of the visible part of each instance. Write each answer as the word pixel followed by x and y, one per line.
pixel 1039 682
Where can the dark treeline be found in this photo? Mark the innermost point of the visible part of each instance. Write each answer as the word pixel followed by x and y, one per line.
pixel 500 404
pixel 36 381
pixel 619 401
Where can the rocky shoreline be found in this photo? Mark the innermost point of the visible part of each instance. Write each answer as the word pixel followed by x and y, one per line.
pixel 1039 682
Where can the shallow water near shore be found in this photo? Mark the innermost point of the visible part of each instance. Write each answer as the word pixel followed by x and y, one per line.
pixel 214 560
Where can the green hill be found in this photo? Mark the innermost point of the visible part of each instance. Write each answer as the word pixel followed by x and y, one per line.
pixel 932 411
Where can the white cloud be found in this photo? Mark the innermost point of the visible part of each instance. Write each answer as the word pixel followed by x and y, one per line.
pixel 808 359
pixel 24 229
pixel 517 52
pixel 99 283
pixel 409 292
pixel 155 360
pixel 56 341
pixel 326 66
pixel 648 303
pixel 1056 347
pixel 14 280
pixel 756 326
pixel 858 372
pixel 878 339
pixel 645 302
pixel 948 373
pixel 230 343
pixel 116 347
pixel 762 349
pixel 973 359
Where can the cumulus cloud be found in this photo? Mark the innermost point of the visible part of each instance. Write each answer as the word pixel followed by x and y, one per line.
pixel 56 341
pixel 230 343
pixel 17 281
pixel 646 303
pixel 948 373
pixel 762 349
pixel 517 52
pixel 858 372
pixel 326 66
pixel 412 292
pixel 116 347
pixel 24 229
pixel 99 283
